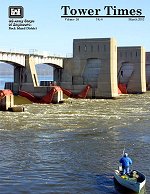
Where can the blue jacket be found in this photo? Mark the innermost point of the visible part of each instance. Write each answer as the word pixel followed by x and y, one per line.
pixel 126 161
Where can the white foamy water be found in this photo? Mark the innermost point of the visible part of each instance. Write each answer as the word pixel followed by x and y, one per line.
pixel 73 147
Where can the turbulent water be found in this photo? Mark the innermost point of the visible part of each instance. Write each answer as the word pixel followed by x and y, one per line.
pixel 73 147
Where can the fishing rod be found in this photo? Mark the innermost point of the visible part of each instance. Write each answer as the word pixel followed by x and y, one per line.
pixel 123 151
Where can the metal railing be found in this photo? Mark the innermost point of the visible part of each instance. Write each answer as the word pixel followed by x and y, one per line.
pixel 36 52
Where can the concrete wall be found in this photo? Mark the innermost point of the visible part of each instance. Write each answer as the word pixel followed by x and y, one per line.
pixel 135 78
pixel 94 62
pixel 26 78
pixel 107 83
pixel 148 70
pixel 6 102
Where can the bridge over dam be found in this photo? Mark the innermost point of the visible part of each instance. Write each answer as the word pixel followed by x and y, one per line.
pixel 25 75
pixel 97 62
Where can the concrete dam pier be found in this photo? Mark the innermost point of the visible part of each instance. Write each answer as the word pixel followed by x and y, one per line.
pixel 97 68
pixel 103 65
pixel 94 63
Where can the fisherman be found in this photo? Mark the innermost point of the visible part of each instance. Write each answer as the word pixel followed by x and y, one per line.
pixel 126 162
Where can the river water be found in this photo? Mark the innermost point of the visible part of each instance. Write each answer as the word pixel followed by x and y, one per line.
pixel 73 147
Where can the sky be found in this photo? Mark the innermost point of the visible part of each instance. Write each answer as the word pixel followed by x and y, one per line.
pixel 55 35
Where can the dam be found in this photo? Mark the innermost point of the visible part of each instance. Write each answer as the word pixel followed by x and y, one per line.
pixel 99 68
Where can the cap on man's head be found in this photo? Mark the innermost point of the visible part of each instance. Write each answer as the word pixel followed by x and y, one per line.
pixel 125 154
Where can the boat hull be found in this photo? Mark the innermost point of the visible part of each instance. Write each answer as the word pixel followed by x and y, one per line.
pixel 133 185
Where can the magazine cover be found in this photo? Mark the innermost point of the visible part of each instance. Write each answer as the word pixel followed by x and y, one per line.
pixel 74 97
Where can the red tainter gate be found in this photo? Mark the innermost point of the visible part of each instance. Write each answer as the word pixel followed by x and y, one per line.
pixel 48 98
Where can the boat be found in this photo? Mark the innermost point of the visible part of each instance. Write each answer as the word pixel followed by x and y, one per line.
pixel 135 181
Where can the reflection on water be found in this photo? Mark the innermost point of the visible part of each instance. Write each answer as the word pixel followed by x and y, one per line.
pixel 73 147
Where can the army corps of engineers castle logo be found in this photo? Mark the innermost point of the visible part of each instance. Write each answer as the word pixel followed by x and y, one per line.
pixel 17 20
pixel 16 12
